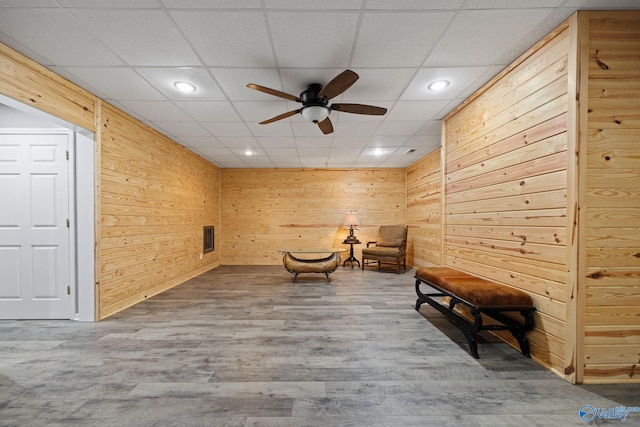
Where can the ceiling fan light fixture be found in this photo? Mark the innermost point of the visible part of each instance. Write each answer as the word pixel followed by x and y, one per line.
pixel 438 85
pixel 315 113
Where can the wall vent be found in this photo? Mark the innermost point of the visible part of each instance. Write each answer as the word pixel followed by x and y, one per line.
pixel 208 240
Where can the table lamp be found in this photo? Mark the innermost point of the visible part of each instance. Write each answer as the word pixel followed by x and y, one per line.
pixel 351 220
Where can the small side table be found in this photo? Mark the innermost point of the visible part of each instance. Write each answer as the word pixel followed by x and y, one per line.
pixel 351 258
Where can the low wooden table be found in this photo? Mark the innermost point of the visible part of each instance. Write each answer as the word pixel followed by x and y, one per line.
pixel 311 260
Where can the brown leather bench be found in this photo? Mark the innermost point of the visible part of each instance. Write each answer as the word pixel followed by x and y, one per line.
pixel 480 296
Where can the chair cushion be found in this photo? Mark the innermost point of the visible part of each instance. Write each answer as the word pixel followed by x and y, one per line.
pixel 391 235
pixel 382 251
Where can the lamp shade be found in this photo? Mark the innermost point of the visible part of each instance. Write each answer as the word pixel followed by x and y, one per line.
pixel 315 113
pixel 351 219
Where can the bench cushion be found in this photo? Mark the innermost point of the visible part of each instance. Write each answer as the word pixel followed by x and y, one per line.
pixel 481 293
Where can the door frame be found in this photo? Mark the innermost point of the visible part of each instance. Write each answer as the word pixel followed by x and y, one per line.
pixel 82 199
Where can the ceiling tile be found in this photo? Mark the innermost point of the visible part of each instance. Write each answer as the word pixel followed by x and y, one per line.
pixel 354 129
pixel 298 44
pixel 238 141
pixel 477 37
pixel 382 40
pixel 205 111
pixel 259 111
pixel 157 110
pixel 281 128
pixel 219 129
pixel 510 4
pixel 414 4
pixel 164 78
pixel 132 33
pixel 115 83
pixel 432 128
pixel 416 110
pixel 181 129
pixel 56 36
pixel 319 152
pixel 311 142
pixel 379 84
pixel 313 4
pixel 228 38
pixel 212 4
pixel 133 4
pixel 30 3
pixel 459 79
pixel 233 82
pixel 423 141
pixel 217 151
pixel 353 141
pixel 387 141
pixel 270 142
pixel 281 152
pixel 200 141
pixel 390 128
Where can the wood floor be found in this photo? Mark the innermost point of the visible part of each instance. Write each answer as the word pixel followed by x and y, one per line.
pixel 244 346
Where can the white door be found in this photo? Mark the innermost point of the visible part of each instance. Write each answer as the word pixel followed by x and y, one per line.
pixel 35 259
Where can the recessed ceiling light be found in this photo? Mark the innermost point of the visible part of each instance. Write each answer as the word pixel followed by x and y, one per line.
pixel 378 152
pixel 438 85
pixel 248 153
pixel 185 87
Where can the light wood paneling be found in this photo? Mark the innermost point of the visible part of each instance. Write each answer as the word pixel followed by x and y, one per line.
pixel 156 197
pixel 542 192
pixel 424 183
pixel 612 282
pixel 505 200
pixel 32 84
pixel 266 210
pixel 152 196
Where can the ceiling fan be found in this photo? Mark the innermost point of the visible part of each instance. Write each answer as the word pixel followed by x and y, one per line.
pixel 315 101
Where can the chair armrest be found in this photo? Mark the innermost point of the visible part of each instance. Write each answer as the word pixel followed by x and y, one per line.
pixel 369 243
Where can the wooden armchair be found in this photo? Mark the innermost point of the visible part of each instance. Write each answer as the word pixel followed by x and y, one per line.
pixel 389 247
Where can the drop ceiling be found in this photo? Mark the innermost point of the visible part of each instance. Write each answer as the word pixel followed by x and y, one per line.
pixel 130 53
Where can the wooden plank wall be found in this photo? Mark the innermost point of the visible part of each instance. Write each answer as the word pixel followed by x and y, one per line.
pixel 424 183
pixel 30 83
pixel 156 196
pixel 152 196
pixel 265 210
pixel 505 200
pixel 612 291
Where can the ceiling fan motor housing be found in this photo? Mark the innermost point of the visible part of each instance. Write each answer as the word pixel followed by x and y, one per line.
pixel 310 96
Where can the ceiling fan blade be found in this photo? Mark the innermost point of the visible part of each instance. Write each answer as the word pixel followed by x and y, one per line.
pixel 273 92
pixel 339 84
pixel 359 109
pixel 281 116
pixel 325 126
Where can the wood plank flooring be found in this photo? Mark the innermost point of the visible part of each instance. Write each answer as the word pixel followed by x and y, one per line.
pixel 244 346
